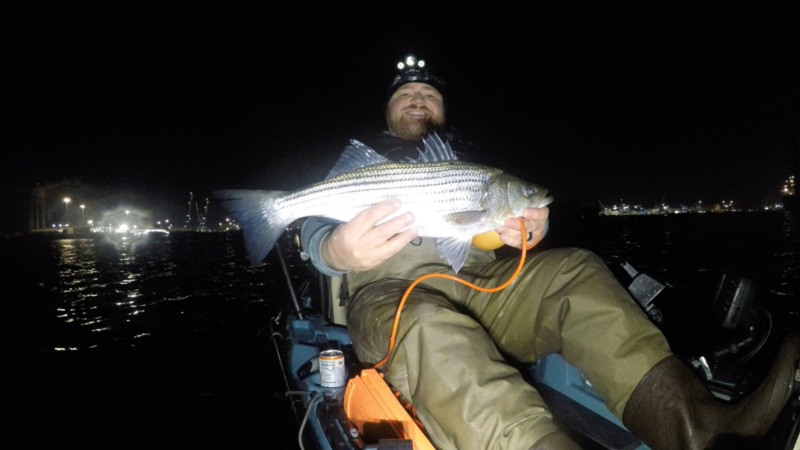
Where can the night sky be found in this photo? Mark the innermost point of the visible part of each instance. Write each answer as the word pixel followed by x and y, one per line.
pixel 136 107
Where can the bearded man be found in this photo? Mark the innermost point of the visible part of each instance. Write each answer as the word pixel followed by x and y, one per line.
pixel 448 357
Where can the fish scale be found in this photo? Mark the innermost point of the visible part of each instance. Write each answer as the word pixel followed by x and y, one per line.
pixel 439 183
pixel 454 189
pixel 451 200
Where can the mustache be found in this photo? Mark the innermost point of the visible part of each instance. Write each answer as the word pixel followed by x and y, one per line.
pixel 421 108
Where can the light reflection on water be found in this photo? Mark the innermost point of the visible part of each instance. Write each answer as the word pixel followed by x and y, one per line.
pixel 123 291
pixel 684 249
pixel 161 337
pixel 131 343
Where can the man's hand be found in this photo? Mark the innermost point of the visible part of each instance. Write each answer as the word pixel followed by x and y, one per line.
pixel 361 244
pixel 535 221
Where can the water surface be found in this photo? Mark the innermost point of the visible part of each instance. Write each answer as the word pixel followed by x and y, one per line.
pixel 162 341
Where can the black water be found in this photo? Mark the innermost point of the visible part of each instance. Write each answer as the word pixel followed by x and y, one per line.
pixel 162 342
pixel 133 345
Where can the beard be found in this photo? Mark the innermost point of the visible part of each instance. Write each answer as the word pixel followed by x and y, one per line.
pixel 409 128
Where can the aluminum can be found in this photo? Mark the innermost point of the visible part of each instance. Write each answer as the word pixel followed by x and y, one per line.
pixel 331 368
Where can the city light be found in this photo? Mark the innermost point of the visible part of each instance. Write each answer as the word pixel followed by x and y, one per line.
pixel 693 207
pixel 788 186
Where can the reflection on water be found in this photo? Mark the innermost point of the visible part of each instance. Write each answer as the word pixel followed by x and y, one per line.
pixel 123 344
pixel 686 248
pixel 789 254
pixel 160 337
pixel 104 290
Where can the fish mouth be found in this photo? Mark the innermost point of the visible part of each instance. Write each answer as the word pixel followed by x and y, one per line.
pixel 541 199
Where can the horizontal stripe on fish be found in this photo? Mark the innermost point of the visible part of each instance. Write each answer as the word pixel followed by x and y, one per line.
pixel 451 200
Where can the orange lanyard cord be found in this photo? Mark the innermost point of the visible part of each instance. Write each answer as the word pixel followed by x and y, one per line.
pixel 451 277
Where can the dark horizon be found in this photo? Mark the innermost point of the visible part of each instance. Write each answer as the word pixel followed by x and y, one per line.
pixel 643 106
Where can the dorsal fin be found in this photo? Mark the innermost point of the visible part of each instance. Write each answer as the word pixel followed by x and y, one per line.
pixel 435 150
pixel 355 156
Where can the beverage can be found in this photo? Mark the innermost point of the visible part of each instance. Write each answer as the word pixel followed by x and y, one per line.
pixel 331 368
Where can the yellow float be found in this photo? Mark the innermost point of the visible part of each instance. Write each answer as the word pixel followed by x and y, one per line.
pixel 489 240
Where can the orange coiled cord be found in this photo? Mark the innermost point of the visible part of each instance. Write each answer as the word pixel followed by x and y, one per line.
pixel 451 277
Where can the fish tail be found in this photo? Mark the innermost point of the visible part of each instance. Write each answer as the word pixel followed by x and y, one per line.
pixel 255 212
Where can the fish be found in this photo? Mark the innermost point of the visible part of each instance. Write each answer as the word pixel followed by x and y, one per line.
pixel 451 200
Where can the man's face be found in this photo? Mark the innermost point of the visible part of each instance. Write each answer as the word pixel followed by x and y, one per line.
pixel 414 110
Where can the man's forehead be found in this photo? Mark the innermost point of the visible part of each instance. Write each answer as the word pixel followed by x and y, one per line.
pixel 418 85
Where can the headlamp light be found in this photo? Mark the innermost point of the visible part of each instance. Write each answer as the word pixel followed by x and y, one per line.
pixel 412 70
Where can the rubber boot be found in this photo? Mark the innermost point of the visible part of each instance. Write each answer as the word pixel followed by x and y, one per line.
pixel 557 440
pixel 672 409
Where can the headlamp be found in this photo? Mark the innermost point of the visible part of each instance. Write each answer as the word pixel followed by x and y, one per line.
pixel 412 70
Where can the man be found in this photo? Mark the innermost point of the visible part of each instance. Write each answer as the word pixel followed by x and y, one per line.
pixel 447 357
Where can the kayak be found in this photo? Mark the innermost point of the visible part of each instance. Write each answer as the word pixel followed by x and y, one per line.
pixel 360 411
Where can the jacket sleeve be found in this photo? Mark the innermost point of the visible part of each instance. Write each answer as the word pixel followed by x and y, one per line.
pixel 312 232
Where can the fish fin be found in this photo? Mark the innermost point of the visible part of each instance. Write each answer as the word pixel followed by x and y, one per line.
pixel 435 150
pixel 355 156
pixel 454 250
pixel 465 217
pixel 261 225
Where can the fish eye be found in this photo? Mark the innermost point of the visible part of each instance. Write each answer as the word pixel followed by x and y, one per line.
pixel 528 190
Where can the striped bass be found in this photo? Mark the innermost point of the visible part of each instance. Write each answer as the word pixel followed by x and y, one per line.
pixel 451 200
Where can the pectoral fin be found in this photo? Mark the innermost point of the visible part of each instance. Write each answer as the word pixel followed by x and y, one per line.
pixel 454 250
pixel 465 217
